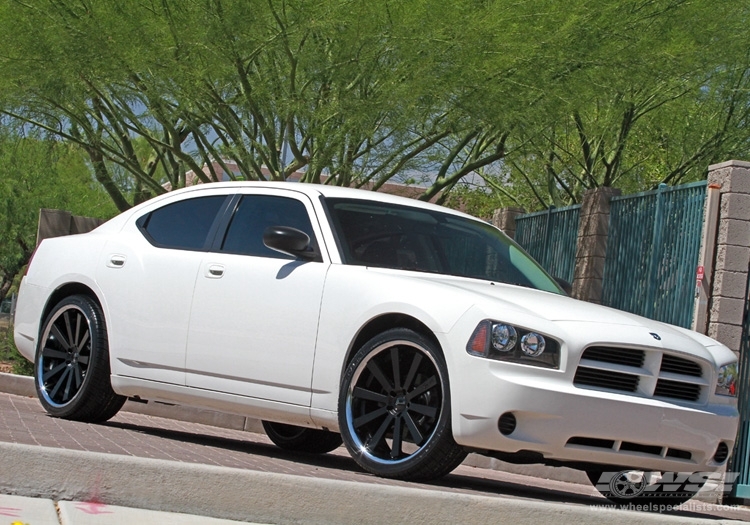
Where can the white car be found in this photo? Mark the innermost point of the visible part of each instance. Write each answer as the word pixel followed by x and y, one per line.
pixel 414 332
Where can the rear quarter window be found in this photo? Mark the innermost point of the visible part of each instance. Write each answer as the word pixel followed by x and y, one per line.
pixel 182 225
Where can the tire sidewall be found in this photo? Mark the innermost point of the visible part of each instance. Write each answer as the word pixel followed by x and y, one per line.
pixel 403 468
pixel 95 321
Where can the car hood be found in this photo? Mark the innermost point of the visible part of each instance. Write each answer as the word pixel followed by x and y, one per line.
pixel 550 306
pixel 574 314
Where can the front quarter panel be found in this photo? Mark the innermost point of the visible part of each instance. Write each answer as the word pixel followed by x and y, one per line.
pixel 356 295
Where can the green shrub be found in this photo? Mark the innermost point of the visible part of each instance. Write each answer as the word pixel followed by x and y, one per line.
pixel 9 353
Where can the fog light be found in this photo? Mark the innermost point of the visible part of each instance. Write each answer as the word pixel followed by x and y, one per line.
pixel 532 344
pixel 506 424
pixel 722 453
pixel 504 337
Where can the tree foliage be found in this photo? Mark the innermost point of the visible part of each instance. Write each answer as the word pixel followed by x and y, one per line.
pixel 38 173
pixel 540 100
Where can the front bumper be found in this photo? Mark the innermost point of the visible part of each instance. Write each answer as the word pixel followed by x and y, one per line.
pixel 572 424
pixel 593 427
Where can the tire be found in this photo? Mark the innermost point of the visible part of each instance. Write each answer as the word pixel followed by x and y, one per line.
pixel 632 487
pixel 71 368
pixel 394 408
pixel 301 439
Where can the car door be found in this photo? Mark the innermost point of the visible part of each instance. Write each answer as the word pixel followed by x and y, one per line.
pixel 148 273
pixel 254 320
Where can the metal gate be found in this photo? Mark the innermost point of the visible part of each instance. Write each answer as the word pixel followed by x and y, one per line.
pixel 741 459
pixel 551 237
pixel 652 252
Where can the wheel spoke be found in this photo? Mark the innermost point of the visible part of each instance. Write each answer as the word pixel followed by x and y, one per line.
pixel 423 409
pixel 412 370
pixel 66 393
pixel 60 337
pixel 60 381
pixel 76 344
pixel 378 436
pixel 83 359
pixel 53 353
pixel 366 418
pixel 69 329
pixel 369 395
pixel 421 389
pixel 50 373
pixel 84 340
pixel 378 374
pixel 78 375
pixel 396 448
pixel 396 368
pixel 413 430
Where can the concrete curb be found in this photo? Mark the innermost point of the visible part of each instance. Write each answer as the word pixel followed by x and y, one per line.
pixel 24 386
pixel 236 494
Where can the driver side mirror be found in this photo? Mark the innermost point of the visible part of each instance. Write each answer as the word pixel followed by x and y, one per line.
pixel 290 241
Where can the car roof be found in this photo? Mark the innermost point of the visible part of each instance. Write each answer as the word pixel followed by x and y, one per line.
pixel 323 190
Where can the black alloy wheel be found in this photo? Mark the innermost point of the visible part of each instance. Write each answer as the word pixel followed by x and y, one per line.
pixel 394 408
pixel 71 368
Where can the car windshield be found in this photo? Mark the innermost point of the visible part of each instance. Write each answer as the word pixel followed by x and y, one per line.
pixel 401 237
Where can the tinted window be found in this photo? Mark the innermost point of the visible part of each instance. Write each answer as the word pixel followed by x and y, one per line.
pixel 254 214
pixel 401 237
pixel 184 224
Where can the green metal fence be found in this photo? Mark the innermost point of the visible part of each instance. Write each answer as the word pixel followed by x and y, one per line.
pixel 551 238
pixel 652 252
pixel 741 456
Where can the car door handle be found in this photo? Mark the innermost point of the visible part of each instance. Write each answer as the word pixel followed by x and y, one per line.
pixel 215 271
pixel 116 261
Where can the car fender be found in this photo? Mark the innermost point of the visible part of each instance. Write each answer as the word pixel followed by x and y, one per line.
pixel 356 295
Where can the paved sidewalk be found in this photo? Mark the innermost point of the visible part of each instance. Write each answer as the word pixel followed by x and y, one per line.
pixel 159 464
pixel 38 511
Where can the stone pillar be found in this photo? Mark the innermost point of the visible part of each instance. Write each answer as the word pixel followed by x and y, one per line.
pixel 732 257
pixel 505 219
pixel 592 244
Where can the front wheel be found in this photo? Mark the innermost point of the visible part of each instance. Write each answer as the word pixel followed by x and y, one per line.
pixel 394 408
pixel 635 487
pixel 71 367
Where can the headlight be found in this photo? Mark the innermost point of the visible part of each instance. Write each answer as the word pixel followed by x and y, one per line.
pixel 504 342
pixel 727 382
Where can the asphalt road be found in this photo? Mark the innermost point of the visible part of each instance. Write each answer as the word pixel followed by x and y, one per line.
pixel 151 462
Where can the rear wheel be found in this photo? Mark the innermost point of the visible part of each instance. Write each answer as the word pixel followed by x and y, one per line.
pixel 301 439
pixel 394 408
pixel 635 487
pixel 71 368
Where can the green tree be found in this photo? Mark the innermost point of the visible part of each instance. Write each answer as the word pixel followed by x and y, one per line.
pixel 544 99
pixel 40 173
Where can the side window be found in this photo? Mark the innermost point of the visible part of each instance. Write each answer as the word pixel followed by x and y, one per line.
pixel 254 214
pixel 183 224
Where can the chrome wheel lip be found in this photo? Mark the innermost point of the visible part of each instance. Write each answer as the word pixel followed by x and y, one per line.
pixel 361 447
pixel 72 359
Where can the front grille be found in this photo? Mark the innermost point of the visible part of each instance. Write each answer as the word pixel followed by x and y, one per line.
pixel 618 356
pixel 678 365
pixel 677 390
pixel 606 379
pixel 650 373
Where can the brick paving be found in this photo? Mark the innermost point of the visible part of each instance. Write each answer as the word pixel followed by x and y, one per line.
pixel 23 421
